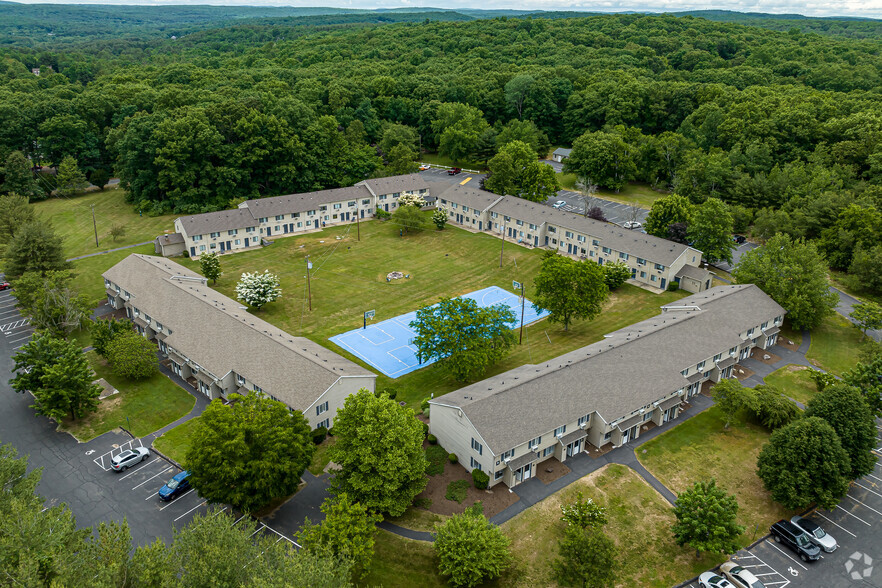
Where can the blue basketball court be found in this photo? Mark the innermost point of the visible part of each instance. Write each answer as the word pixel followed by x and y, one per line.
pixel 386 345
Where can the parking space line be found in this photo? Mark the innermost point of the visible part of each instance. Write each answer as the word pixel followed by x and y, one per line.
pixel 175 501
pixel 772 543
pixel 192 509
pixel 239 519
pixel 867 489
pixel 260 528
pixel 134 471
pixel 874 477
pixel 282 536
pixel 153 476
pixel 834 523
pixel 854 515
pixel 864 505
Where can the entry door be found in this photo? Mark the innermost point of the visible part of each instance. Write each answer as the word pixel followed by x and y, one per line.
pixel 246 241
pixel 625 436
pixel 387 207
pixel 663 283
pixel 666 415
pixel 316 223
pixel 480 226
pixel 269 232
pixel 229 245
pixel 223 246
pixel 192 252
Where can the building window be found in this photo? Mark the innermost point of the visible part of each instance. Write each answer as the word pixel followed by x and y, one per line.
pixel 642 274
pixel 240 380
pixel 323 407
pixel 560 431
pixel 532 227
pixel 237 242
pixel 476 465
pixel 158 326
pixel 733 350
pixel 700 366
pixel 465 208
pixel 197 237
pixel 653 278
pixel 580 238
pixel 641 261
pixel 477 446
pixel 659 267
pixel 548 451
pixel 249 230
pixel 717 357
pixel 607 436
pixel 685 372
pixel 623 256
pixel 595 242
pixel 258 389
pixel 778 320
pixel 310 213
pixel 750 333
pixel 262 219
pixel 550 229
pixel 584 420
pixel 215 235
pixel 606 250
pixel 295 215
pixel 519 223
pixel 535 442
pixel 498 474
pixel 507 455
pixel 233 232
pixel 351 203
pixel 325 423
pixel 338 206
pixel 568 234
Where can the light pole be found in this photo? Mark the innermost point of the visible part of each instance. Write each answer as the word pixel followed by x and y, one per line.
pixel 308 286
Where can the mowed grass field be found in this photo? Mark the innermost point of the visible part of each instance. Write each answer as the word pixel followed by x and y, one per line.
pixel 349 277
pixel 794 382
pixel 700 448
pixel 835 345
pixel 87 272
pixel 72 219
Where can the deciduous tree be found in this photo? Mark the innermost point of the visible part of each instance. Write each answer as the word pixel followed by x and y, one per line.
pixel 866 376
pixel 587 559
pixel 583 513
pixel 770 406
pixel 402 160
pixel 18 177
pixel 569 289
pixel 51 303
pixel 379 450
pixel 439 218
pixel 462 337
pixel 868 316
pixel 210 265
pixel 794 274
pixel 409 218
pixel 58 375
pixel 249 452
pixel 470 549
pixel 710 231
pixel 132 356
pixel 729 396
pixel 256 289
pixel 104 331
pixel 604 157
pixel 844 408
pixel 615 274
pixel 706 519
pixel 347 530
pixel 666 212
pixel 804 463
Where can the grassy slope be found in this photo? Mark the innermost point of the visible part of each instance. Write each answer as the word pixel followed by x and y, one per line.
pixel 402 562
pixel 176 442
pixel 700 448
pixel 794 382
pixel 321 457
pixel 72 219
pixel 88 271
pixel 639 524
pixel 348 278
pixel 142 406
pixel 835 345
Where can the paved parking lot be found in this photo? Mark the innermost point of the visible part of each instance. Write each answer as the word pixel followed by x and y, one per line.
pixel 615 212
pixel 855 523
pixel 16 329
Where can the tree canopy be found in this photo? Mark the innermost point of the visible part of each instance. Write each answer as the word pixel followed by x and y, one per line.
pixel 706 519
pixel 844 408
pixel 569 289
pixel 471 550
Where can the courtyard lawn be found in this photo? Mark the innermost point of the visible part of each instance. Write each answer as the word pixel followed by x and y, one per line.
pixel 321 457
pixel 419 519
pixel 402 562
pixel 788 332
pixel 141 406
pixel 72 219
pixel 176 442
pixel 87 272
pixel 349 277
pixel 793 381
pixel 700 448
pixel 835 345
pixel 639 523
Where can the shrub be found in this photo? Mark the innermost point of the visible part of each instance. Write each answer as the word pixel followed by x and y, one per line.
pixel 452 458
pixel 481 479
pixel 457 491
pixel 424 406
pixel 132 356
pixel 422 503
pixel 673 286
pixel 318 435
pixel 425 430
pixel 382 214
pixel 436 456
pixel 821 379
pixel 432 439
pixel 331 432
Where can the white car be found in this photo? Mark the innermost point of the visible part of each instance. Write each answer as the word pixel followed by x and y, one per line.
pixel 816 534
pixel 632 224
pixel 128 458
pixel 711 580
pixel 740 577
pixel 425 167
pixel 559 204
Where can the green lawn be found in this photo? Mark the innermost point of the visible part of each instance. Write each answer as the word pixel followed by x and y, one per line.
pixel 639 523
pixel 788 332
pixel 72 219
pixel 419 519
pixel 841 280
pixel 835 345
pixel 348 278
pixel 793 381
pixel 700 448
pixel 142 407
pixel 321 457
pixel 633 192
pixel 402 562
pixel 87 272
pixel 176 442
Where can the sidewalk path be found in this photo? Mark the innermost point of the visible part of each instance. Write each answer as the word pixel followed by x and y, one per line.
pixel 846 305
pixel 109 251
pixel 202 402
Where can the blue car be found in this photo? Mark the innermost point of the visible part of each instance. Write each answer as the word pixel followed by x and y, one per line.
pixel 175 487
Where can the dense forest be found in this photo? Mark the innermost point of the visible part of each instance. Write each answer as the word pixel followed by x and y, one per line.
pixel 786 127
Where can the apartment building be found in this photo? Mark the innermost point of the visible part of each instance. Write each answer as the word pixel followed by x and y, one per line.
pixel 654 262
pixel 214 344
pixel 282 216
pixel 606 393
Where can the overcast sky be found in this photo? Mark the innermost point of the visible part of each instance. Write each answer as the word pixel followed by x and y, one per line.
pixel 864 8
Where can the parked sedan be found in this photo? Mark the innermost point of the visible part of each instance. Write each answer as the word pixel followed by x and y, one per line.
pixel 711 580
pixel 454 170
pixel 632 224
pixel 816 534
pixel 559 204
pixel 175 487
pixel 128 458
pixel 740 577
pixel 4 286
pixel 425 167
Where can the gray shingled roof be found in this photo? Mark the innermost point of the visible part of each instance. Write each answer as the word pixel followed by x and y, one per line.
pixel 170 239
pixel 696 273
pixel 471 197
pixel 525 210
pixel 562 151
pixel 216 333
pixel 213 222
pixel 629 369
pixel 276 205
pixel 390 185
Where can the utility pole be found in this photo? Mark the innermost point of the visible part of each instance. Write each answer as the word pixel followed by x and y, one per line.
pixel 523 300
pixel 357 226
pixel 308 286
pixel 503 241
pixel 95 225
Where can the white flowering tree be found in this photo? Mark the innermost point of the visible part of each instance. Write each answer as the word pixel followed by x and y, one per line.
pixel 408 199
pixel 256 289
pixel 439 217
